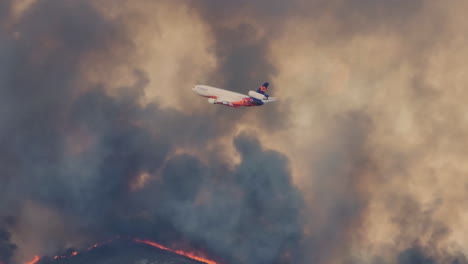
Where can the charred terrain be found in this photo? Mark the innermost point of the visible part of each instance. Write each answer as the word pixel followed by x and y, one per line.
pixel 121 252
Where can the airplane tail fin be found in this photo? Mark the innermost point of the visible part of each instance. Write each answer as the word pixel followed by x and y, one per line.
pixel 263 88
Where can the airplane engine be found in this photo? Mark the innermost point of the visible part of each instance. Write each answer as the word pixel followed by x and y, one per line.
pixel 258 96
pixel 211 100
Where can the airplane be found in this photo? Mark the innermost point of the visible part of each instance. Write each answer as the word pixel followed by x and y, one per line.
pixel 233 99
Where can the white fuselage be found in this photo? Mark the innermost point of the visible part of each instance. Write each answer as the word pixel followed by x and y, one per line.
pixel 212 92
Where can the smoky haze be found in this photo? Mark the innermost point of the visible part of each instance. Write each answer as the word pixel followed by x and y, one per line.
pixel 360 161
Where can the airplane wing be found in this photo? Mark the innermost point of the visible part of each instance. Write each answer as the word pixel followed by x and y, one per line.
pixel 235 102
pixel 225 101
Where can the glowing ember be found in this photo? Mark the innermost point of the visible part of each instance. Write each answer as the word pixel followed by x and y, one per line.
pixel 34 261
pixel 180 252
pixel 93 246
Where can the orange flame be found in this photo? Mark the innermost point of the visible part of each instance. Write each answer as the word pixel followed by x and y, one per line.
pixel 180 252
pixel 34 261
pixel 191 255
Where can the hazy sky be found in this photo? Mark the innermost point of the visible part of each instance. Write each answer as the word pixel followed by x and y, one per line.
pixel 361 160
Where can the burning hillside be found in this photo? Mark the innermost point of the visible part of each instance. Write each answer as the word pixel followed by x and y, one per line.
pixel 124 252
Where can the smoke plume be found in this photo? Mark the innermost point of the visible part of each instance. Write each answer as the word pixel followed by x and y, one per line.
pixel 360 161
pixel 6 247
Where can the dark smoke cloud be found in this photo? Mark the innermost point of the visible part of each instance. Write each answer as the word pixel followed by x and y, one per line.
pixel 248 215
pixel 4 10
pixel 417 255
pixel 414 256
pixel 90 156
pixel 6 247
pixel 69 146
pixel 41 72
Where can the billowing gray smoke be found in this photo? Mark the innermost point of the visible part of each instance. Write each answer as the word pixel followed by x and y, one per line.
pixel 70 147
pixel 6 247
pixel 370 119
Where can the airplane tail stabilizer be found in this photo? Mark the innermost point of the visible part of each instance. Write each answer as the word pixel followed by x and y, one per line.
pixel 263 88
pixel 270 99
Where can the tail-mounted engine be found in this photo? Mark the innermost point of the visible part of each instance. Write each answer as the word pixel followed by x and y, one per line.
pixel 258 96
